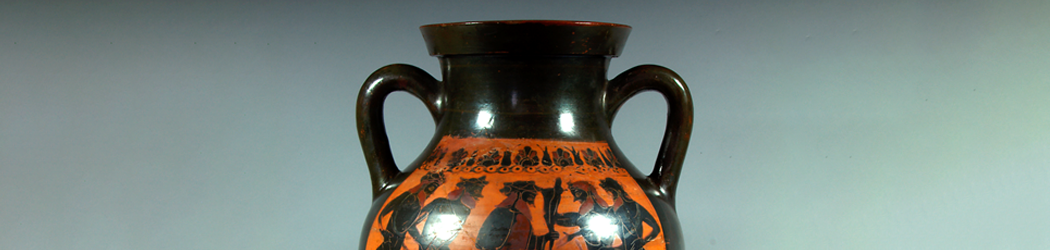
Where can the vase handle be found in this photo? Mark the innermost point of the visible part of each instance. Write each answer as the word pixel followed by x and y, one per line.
pixel 679 119
pixel 370 127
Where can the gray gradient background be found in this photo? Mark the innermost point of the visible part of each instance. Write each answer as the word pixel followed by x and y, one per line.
pixel 819 124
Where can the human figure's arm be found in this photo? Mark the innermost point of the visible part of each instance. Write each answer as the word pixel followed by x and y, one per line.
pixel 413 228
pixel 648 219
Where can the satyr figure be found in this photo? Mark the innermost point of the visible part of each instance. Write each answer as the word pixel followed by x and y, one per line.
pixel 404 210
pixel 629 215
pixel 443 218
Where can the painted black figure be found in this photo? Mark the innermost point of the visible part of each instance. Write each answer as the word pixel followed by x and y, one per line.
pixel 629 215
pixel 551 201
pixel 597 225
pixel 405 209
pixel 444 217
pixel 509 225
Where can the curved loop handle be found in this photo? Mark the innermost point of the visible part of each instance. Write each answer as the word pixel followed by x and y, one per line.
pixel 679 118
pixel 370 127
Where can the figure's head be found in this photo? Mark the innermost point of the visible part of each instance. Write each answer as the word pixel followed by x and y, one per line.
pixel 529 197
pixel 431 181
pixel 526 190
pixel 613 187
pixel 473 186
pixel 581 190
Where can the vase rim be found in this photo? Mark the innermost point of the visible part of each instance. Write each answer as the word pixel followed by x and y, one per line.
pixel 528 21
pixel 526 37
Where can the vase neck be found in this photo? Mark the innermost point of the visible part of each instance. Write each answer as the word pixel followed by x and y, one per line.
pixel 553 97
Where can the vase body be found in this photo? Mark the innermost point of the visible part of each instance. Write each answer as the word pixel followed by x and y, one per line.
pixel 523 156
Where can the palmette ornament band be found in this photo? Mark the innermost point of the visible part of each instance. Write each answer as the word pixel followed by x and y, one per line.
pixel 483 193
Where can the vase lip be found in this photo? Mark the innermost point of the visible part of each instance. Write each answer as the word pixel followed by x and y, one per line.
pixel 526 37
pixel 528 21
